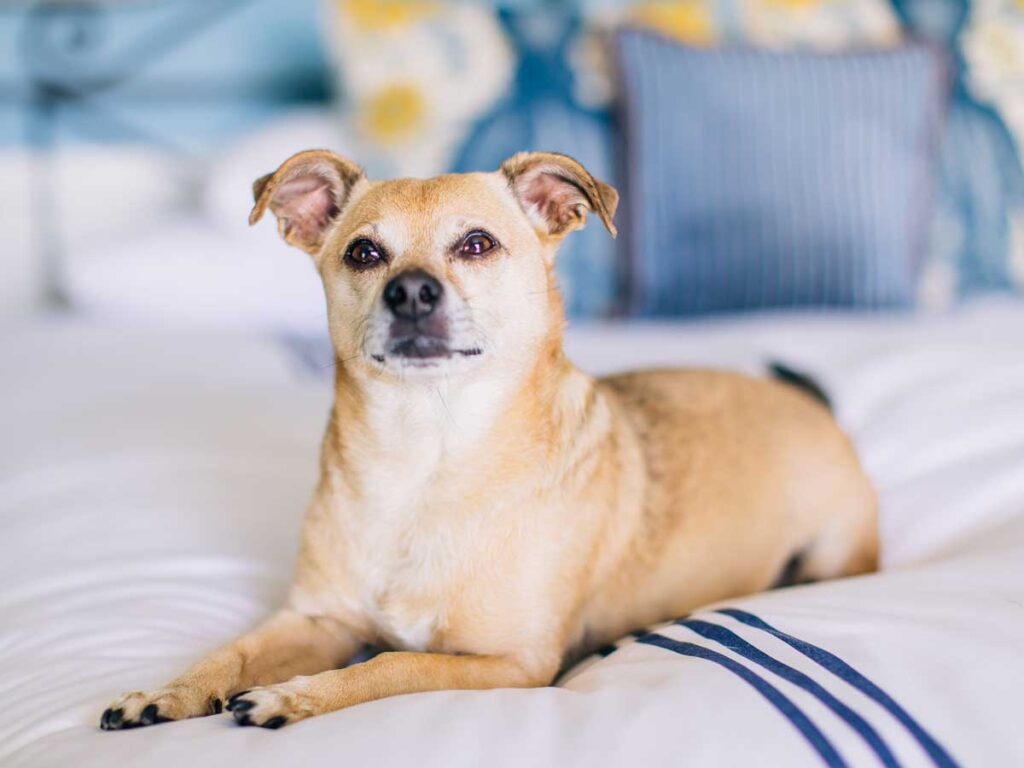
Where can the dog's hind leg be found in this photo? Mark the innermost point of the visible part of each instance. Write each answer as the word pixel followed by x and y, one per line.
pixel 848 543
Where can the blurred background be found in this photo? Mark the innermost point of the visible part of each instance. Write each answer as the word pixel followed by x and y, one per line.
pixel 772 153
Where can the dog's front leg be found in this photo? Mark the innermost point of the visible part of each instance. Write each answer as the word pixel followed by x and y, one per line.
pixel 288 644
pixel 389 674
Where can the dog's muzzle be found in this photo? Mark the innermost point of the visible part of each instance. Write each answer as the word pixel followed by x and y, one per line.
pixel 419 326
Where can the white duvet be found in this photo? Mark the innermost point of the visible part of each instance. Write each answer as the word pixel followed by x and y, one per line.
pixel 152 485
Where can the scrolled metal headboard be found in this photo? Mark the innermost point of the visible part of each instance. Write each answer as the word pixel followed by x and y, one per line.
pixel 72 54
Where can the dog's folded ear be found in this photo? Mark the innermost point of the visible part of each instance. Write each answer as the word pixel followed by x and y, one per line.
pixel 306 194
pixel 556 192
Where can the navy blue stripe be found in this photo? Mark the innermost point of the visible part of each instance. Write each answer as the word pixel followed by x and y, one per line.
pixel 792 712
pixel 735 643
pixel 844 671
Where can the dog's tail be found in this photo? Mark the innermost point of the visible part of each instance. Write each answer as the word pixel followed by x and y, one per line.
pixel 801 381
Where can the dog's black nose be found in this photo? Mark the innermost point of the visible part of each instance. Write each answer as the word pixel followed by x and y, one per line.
pixel 412 295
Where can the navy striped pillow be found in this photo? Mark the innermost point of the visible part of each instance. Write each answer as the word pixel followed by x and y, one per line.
pixel 764 179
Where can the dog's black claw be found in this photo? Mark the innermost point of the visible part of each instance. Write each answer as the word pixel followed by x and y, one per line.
pixel 111 719
pixel 242 706
pixel 234 699
pixel 216 706
pixel 242 718
pixel 149 715
pixel 275 722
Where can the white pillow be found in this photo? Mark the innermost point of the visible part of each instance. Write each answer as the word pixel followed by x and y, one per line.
pixel 187 271
pixel 210 268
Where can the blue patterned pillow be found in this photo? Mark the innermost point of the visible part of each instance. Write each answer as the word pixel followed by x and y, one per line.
pixel 542 111
pixel 761 179
pixel 978 243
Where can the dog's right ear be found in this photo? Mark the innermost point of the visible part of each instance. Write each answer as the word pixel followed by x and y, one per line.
pixel 306 194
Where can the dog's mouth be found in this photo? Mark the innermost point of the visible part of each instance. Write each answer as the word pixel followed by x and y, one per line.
pixel 425 350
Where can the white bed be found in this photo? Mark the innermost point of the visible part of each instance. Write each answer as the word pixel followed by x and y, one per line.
pixel 152 484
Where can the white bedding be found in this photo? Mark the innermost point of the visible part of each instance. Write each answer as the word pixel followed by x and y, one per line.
pixel 152 484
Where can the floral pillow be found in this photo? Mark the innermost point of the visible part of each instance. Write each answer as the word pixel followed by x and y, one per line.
pixel 993 51
pixel 978 238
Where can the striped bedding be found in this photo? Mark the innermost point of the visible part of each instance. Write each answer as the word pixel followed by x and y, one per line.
pixel 745 645
pixel 150 506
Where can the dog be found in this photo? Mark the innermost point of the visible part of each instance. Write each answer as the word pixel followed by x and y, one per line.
pixel 485 509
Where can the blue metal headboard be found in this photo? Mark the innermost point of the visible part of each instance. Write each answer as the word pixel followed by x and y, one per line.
pixel 180 75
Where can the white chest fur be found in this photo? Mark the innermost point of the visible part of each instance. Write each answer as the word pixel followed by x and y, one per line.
pixel 402 570
pixel 411 536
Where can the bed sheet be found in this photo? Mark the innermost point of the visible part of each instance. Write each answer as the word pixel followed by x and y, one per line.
pixel 152 484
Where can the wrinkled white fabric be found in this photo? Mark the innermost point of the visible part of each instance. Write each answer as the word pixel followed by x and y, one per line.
pixel 152 485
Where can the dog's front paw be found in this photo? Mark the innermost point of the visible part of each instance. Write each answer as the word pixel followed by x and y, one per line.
pixel 136 709
pixel 272 706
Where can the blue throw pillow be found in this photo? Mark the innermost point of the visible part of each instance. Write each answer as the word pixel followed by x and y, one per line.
pixel 776 179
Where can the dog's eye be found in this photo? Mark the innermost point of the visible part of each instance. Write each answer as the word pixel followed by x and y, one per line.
pixel 476 244
pixel 363 253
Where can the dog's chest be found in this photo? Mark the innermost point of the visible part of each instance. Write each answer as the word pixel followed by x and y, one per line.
pixel 405 571
pixel 410 545
pixel 413 536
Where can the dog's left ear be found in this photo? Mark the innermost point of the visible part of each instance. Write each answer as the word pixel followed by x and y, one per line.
pixel 556 192
pixel 306 194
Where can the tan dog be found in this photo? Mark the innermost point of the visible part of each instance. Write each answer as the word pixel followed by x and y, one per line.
pixel 485 508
